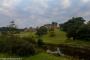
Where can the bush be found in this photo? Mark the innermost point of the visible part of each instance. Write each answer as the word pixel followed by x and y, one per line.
pixel 24 49
pixel 40 42
pixel 16 45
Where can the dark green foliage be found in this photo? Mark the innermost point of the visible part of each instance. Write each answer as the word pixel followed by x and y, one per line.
pixel 41 31
pixel 84 32
pixel 77 29
pixel 40 42
pixel 10 29
pixel 72 26
pixel 12 44
pixel 73 23
pixel 16 45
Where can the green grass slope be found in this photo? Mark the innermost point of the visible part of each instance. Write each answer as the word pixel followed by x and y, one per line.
pixel 40 56
pixel 45 56
pixel 57 39
pixel 60 38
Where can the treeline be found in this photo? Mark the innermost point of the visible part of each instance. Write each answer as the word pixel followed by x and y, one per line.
pixel 10 29
pixel 77 28
pixel 13 44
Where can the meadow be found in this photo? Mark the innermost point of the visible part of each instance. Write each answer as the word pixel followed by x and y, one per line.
pixel 45 56
pixel 59 38
pixel 40 56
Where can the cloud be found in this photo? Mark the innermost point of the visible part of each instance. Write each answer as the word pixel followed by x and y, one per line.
pixel 7 7
pixel 28 13
pixel 85 1
pixel 10 3
pixel 66 3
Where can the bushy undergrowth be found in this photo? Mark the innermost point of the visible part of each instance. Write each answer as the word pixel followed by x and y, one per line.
pixel 40 43
pixel 16 45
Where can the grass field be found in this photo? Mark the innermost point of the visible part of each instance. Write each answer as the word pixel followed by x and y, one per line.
pixel 57 39
pixel 40 56
pixel 45 56
pixel 60 38
pixel 26 34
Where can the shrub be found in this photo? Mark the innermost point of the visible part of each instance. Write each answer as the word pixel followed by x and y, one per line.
pixel 40 42
pixel 16 45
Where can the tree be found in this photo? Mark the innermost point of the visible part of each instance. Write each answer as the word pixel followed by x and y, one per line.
pixel 84 32
pixel 72 26
pixel 12 24
pixel 41 31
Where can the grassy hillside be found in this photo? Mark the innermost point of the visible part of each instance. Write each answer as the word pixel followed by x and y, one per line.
pixel 26 34
pixel 57 39
pixel 40 56
pixel 45 56
pixel 60 38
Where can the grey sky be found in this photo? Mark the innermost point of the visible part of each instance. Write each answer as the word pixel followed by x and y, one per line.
pixel 28 13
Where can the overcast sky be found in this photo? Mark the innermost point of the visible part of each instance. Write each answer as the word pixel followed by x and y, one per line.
pixel 28 13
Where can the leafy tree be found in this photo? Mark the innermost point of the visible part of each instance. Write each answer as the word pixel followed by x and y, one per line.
pixel 72 26
pixel 12 24
pixel 84 32
pixel 11 29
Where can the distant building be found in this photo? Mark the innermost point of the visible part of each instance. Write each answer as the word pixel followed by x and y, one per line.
pixel 31 29
pixel 49 26
pixel 54 25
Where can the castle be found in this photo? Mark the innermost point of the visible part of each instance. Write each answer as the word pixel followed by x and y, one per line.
pixel 53 25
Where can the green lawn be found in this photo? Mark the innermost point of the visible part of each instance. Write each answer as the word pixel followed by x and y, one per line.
pixel 40 56
pixel 60 38
pixel 57 39
pixel 6 55
pixel 45 56
pixel 26 34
